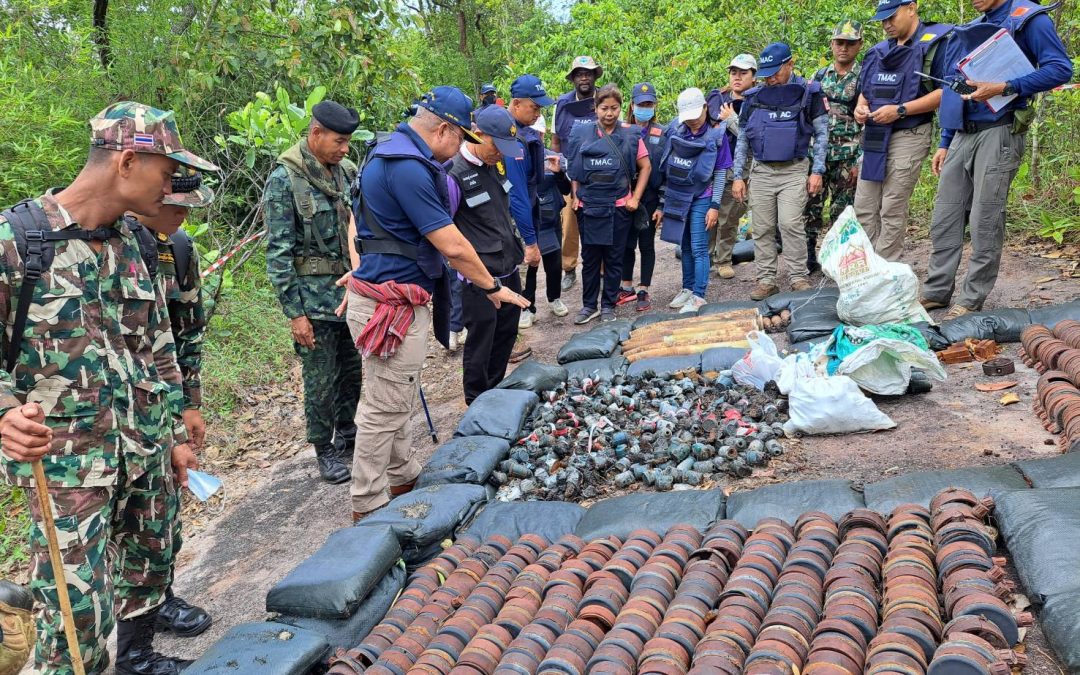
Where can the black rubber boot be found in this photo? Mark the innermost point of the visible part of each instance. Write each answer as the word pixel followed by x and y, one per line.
pixel 181 618
pixel 812 264
pixel 135 653
pixel 344 442
pixel 331 468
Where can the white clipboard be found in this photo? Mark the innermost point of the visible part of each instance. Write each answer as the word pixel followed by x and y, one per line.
pixel 999 59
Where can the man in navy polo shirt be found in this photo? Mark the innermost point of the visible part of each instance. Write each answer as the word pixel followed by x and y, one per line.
pixel 404 229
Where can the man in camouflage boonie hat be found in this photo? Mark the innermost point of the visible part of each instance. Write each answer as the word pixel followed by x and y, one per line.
pixel 138 127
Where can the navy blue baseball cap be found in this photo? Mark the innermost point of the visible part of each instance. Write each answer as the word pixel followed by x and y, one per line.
pixel 886 8
pixel 487 88
pixel 495 121
pixel 644 92
pixel 772 59
pixel 453 106
pixel 530 86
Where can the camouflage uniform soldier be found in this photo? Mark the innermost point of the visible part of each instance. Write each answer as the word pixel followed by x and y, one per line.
pixel 307 211
pixel 839 82
pixel 91 387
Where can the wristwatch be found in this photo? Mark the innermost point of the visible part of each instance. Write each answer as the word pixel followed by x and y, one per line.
pixel 1009 89
pixel 901 111
pixel 494 289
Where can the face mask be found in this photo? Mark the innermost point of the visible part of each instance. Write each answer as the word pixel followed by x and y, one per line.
pixel 203 485
pixel 644 114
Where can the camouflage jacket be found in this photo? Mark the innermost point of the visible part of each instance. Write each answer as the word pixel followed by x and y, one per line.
pixel 314 296
pixel 186 316
pixel 843 129
pixel 98 356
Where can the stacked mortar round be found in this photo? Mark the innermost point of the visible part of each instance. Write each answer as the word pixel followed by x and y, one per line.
pixel 915 593
pixel 663 433
pixel 1056 356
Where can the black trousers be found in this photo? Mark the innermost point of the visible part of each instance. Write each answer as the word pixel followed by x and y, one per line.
pixel 605 260
pixel 552 263
pixel 646 241
pixel 492 333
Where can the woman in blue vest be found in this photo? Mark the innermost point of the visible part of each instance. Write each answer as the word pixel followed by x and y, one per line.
pixel 603 159
pixel 695 167
pixel 642 234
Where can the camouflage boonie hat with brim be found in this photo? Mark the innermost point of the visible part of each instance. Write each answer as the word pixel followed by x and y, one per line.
pixel 134 126
pixel 189 190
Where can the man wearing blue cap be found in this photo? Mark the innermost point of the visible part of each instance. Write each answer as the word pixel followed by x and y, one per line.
pixel 981 150
pixel 481 204
pixel 404 228
pixel 897 108
pixel 777 123
pixel 527 98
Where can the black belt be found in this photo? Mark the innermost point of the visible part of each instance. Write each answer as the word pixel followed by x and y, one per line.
pixel 976 127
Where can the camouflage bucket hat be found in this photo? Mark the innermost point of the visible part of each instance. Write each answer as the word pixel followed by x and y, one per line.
pixel 189 190
pixel 134 126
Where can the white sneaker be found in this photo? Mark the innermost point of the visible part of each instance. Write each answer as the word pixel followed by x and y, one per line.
pixel 527 319
pixel 681 299
pixel 452 345
pixel 462 334
pixel 559 308
pixel 692 305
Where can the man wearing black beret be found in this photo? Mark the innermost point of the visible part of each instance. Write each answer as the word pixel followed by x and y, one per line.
pixel 307 211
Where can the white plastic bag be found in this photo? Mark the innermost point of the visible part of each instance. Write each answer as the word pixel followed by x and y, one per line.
pixel 872 289
pixel 760 363
pixel 823 404
pixel 883 366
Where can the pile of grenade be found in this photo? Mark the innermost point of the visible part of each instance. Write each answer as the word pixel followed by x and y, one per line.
pixel 671 432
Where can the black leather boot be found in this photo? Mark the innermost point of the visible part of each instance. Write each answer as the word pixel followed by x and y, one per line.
pixel 331 468
pixel 181 618
pixel 344 442
pixel 135 653
pixel 812 264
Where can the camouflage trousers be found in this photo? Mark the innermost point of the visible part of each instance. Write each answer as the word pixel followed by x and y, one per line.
pixel 838 185
pixel 118 548
pixel 331 373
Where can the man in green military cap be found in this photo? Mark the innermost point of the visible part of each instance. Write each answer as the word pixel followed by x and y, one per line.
pixel 839 82
pixel 91 388
pixel 307 210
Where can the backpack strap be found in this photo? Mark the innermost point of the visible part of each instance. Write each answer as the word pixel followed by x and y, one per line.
pixel 148 247
pixel 183 247
pixel 384 242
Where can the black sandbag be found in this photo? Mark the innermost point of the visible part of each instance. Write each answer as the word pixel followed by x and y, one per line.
pixel 266 648
pixel 1051 314
pixel 467 459
pixel 721 358
pixel 421 519
pixel 551 520
pixel 622 327
pixel 921 486
pixel 726 306
pixel 1058 621
pixel 347 633
pixel 788 501
pixel 743 251
pixel 791 300
pixel 1001 325
pixel 649 319
pixel 814 318
pixel 598 343
pixel 657 511
pixel 1051 472
pixel 532 375
pixel 663 366
pixel 332 582
pixel 597 369
pixel 1041 529
pixel 932 335
pixel 498 412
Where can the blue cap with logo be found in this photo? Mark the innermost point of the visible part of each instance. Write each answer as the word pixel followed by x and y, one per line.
pixel 487 88
pixel 644 92
pixel 772 59
pixel 886 8
pixel 530 86
pixel 495 121
pixel 453 106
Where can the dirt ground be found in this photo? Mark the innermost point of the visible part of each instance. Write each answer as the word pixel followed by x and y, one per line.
pixel 278 511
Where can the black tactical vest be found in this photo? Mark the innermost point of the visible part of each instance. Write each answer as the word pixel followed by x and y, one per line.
pixel 483 216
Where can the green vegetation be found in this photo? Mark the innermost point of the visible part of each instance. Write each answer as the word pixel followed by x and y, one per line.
pixel 14 521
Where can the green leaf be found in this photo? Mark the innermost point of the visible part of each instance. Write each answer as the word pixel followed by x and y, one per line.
pixel 317 94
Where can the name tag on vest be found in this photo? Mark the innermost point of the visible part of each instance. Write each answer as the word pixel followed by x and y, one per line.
pixel 477 200
pixel 506 186
pixel 654 140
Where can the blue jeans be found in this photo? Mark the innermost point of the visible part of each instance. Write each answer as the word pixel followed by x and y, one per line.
pixel 695 249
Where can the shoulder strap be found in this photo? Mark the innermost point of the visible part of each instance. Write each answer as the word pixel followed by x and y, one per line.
pixel 29 224
pixel 183 251
pixel 305 206
pixel 820 73
pixel 383 242
pixel 147 244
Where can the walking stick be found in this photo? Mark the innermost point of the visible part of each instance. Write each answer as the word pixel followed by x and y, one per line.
pixel 427 413
pixel 58 568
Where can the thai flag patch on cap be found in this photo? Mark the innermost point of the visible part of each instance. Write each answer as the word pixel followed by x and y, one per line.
pixel 144 139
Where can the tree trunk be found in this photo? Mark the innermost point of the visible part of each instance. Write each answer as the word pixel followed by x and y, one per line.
pixel 463 32
pixel 101 31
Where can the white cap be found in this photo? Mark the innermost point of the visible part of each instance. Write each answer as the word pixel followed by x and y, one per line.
pixel 540 125
pixel 744 62
pixel 690 104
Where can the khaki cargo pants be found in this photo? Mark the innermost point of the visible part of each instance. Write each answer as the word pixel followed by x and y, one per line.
pixel 778 198
pixel 390 397
pixel 571 241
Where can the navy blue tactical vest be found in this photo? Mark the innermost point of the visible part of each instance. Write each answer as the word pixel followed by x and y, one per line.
pixel 549 225
pixel 483 216
pixel 655 141
pixel 778 125
pixel 688 167
pixel 604 167
pixel 534 154
pixel 569 113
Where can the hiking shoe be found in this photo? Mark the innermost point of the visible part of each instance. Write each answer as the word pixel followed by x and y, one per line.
pixel 681 299
pixel 625 295
pixel 692 305
pixel 527 319
pixel 607 314
pixel 762 291
pixel 644 303
pixel 928 304
pixel 558 307
pixel 568 280
pixel 801 285
pixel 585 316
pixel 957 311
pixel 725 272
